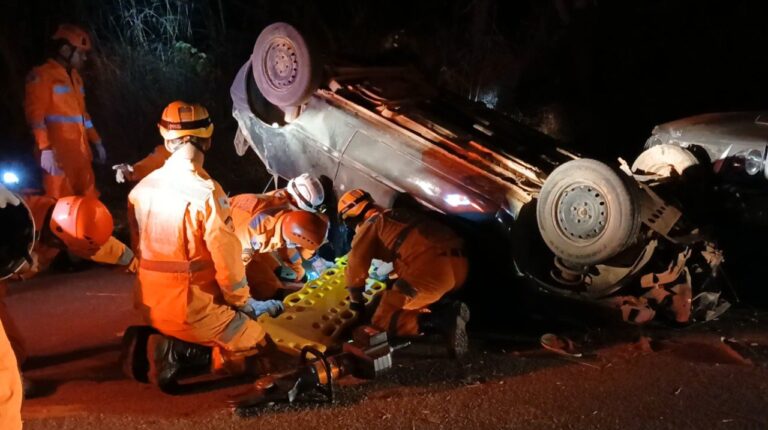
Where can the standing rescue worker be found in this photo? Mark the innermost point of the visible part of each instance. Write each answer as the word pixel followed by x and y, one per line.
pixel 265 224
pixel 191 284
pixel 56 112
pixel 428 259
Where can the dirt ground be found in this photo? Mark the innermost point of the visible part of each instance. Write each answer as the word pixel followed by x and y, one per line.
pixel 708 376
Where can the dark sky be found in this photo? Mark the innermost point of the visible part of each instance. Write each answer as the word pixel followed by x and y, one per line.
pixel 616 67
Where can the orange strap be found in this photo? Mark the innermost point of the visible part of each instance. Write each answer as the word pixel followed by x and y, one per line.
pixel 176 266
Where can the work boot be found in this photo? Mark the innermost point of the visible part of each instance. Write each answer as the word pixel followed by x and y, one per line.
pixel 450 321
pixel 168 357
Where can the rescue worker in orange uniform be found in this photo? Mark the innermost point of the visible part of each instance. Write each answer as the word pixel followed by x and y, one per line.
pixel 82 225
pixel 56 112
pixel 191 285
pixel 265 224
pixel 125 172
pixel 303 192
pixel 11 392
pixel 428 260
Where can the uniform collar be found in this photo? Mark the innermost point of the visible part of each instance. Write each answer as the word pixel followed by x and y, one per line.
pixel 186 159
pixel 58 67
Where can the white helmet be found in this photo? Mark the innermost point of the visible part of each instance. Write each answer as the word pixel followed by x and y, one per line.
pixel 307 191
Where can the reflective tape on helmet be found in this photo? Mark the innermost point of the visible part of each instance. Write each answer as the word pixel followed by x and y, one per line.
pixel 185 125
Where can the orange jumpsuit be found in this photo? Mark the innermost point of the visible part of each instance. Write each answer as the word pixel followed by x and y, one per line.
pixel 55 108
pixel 427 257
pixel 257 221
pixel 11 391
pixel 191 278
pixel 244 208
pixel 150 163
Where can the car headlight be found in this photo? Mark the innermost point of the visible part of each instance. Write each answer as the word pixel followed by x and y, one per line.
pixel 753 162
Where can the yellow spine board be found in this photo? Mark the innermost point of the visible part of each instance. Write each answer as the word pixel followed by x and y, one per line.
pixel 317 314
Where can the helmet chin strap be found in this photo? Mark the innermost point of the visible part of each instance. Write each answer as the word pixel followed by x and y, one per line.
pixel 68 59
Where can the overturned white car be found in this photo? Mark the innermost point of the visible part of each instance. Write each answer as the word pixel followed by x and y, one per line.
pixel 571 226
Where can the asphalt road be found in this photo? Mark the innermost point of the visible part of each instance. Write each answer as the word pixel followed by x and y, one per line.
pixel 712 376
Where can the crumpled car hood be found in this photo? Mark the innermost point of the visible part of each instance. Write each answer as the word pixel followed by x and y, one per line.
pixel 743 130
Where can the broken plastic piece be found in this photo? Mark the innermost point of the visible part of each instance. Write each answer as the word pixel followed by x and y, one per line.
pixel 560 345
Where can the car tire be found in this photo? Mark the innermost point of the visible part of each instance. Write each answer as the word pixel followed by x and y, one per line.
pixel 663 160
pixel 283 66
pixel 588 212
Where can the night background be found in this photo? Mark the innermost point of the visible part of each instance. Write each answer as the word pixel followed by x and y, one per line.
pixel 595 74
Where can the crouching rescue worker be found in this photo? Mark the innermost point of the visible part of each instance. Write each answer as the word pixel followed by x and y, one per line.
pixel 428 260
pixel 55 109
pixel 191 285
pixel 80 225
pixel 265 224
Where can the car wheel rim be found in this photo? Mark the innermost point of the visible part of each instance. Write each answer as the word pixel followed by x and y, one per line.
pixel 280 64
pixel 581 213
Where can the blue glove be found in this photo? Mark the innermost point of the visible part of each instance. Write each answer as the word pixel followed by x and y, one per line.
pixel 254 308
pixel 100 153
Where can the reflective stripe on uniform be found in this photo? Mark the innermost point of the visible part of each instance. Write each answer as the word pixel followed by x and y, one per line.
pixel 82 89
pixel 243 283
pixel 88 123
pixel 38 126
pixel 61 89
pixel 233 328
pixel 176 266
pixel 125 257
pixel 294 257
pixel 63 118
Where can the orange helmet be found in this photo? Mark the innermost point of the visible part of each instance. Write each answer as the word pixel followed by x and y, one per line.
pixel 74 35
pixel 83 223
pixel 181 119
pixel 353 203
pixel 306 229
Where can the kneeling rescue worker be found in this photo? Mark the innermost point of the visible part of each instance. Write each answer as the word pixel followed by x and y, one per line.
pixel 264 227
pixel 428 260
pixel 191 285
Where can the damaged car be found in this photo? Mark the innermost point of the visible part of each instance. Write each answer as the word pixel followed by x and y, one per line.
pixel 564 225
pixel 725 153
pixel 717 164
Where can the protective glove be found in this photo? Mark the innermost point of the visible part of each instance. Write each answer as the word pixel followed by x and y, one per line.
pixel 8 198
pixel 100 153
pixel 254 308
pixel 49 164
pixel 319 264
pixel 380 270
pixel 123 172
